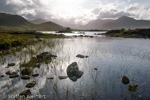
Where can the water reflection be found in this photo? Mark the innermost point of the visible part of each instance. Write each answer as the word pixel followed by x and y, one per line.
pixel 113 58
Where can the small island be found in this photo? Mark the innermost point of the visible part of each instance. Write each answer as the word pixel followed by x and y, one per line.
pixel 134 33
pixel 66 30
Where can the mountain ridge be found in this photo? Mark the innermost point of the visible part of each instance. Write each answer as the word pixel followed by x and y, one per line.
pixel 16 22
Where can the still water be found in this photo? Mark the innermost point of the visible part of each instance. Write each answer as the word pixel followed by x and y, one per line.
pixel 113 58
pixel 77 33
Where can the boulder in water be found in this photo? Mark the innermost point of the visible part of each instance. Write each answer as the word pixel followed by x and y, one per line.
pixel 95 68
pixel 73 72
pixel 35 75
pixel 25 93
pixel 81 56
pixel 125 80
pixel 31 84
pixel 50 78
pixel 132 88
pixel 2 76
pixel 11 64
pixel 62 77
pixel 25 77
pixel 14 75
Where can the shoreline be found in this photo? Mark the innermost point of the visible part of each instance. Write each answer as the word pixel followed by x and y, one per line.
pixel 136 33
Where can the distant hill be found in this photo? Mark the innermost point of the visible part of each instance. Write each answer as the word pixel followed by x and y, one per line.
pixel 122 22
pixel 48 26
pixel 38 21
pixel 16 22
pixel 96 24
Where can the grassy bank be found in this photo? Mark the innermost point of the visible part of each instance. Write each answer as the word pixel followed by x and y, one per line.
pixel 17 39
pixel 7 41
pixel 136 33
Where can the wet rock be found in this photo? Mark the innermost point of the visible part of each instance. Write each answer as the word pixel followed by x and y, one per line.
pixel 35 75
pixel 25 93
pixel 13 75
pixel 7 73
pixel 1 75
pixel 62 77
pixel 91 36
pixel 10 73
pixel 11 64
pixel 25 77
pixel 95 68
pixel 132 88
pixel 125 80
pixel 81 56
pixel 50 78
pixel 31 84
pixel 73 78
pixel 26 71
pixel 73 72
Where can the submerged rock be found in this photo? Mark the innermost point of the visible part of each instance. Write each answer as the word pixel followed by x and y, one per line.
pixel 91 36
pixel 50 78
pixel 35 75
pixel 31 84
pixel 125 80
pixel 73 72
pixel 11 64
pixel 132 88
pixel 81 56
pixel 25 93
pixel 44 57
pixel 25 77
pixel 62 77
pixel 1 75
pixel 95 68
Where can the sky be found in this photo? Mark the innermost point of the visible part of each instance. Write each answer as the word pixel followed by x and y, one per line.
pixel 77 11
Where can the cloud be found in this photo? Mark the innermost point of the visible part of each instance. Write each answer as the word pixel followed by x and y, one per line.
pixel 138 11
pixel 75 11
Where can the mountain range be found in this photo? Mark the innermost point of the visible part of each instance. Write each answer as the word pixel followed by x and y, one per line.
pixel 16 22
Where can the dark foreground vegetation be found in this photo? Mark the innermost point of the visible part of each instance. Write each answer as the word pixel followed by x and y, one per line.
pixel 136 33
pixel 15 39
